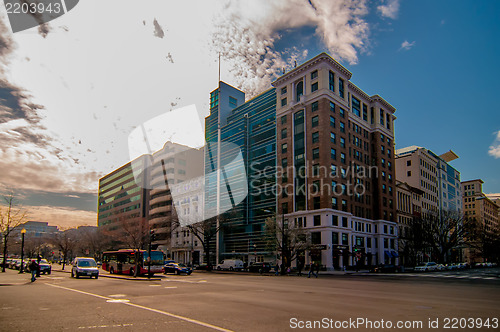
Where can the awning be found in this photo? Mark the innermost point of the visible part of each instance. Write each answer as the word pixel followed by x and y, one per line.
pixel 388 254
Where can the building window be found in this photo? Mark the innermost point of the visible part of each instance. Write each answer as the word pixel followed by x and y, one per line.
pixel 382 117
pixel 333 171
pixel 314 87
pixel 283 102
pixel 345 239
pixel 283 119
pixel 331 81
pixel 356 106
pixel 283 90
pixel 332 138
pixel 283 133
pixel 284 207
pixel 335 205
pixel 386 243
pixel 315 237
pixel 284 163
pixel 342 142
pixel 316 153
pixel 284 148
pixel 335 220
pixel 317 201
pixel 299 91
pixel 315 137
pixel 315 121
pixel 335 238
pixel 341 88
pixel 388 121
pixel 344 205
pixel 233 102
pixel 317 220
pixel 332 107
pixel 314 74
pixel 342 127
pixel 333 154
pixel 332 121
pixel 341 112
pixel 314 106
pixel 342 157
pixel 365 112
pixel 408 173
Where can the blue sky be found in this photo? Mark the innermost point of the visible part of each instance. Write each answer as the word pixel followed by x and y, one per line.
pixel 443 86
pixel 94 81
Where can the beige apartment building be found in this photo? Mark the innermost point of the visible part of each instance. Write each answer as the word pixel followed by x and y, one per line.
pixel 479 207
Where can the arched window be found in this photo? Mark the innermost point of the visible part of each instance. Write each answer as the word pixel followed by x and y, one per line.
pixel 299 90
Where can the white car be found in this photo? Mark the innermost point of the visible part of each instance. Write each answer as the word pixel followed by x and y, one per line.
pixel 429 266
pixel 84 266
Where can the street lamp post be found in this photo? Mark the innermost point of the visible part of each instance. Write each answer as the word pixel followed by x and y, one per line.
pixel 284 249
pixel 23 231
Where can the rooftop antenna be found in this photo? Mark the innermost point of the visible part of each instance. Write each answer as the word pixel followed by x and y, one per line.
pixel 219 66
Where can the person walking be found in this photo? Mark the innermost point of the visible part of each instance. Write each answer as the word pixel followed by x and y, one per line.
pixel 33 269
pixel 277 270
pixel 318 266
pixel 38 259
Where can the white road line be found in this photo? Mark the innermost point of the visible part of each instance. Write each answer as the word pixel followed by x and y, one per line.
pixel 171 287
pixel 190 320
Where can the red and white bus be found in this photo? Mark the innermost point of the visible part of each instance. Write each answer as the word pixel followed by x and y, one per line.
pixel 123 261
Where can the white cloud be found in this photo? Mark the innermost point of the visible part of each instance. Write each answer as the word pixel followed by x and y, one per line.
pixel 389 8
pixel 494 150
pixel 407 45
pixel 98 80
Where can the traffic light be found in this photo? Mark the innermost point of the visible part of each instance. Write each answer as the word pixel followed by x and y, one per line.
pixel 152 235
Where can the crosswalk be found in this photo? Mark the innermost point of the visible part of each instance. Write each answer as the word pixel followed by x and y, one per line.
pixel 447 275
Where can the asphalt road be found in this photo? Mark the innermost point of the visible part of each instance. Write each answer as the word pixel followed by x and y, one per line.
pixel 239 302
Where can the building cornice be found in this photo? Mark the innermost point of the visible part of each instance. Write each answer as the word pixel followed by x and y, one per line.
pixel 323 57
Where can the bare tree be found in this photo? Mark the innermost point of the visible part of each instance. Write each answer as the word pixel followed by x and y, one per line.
pixel 286 238
pixel 65 241
pixel 484 240
pixel 12 215
pixel 442 231
pixel 206 231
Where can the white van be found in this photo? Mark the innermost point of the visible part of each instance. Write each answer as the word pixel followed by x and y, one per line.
pixel 230 264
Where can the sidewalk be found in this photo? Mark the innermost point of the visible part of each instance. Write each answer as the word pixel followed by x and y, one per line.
pixel 14 278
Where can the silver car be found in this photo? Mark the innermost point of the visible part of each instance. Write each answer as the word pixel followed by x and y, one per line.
pixel 84 266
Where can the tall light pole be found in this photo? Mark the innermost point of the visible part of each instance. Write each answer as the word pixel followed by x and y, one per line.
pixel 23 231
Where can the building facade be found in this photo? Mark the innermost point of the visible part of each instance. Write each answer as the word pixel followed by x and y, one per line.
pixel 123 195
pixel 481 208
pixel 335 152
pixel 438 180
pixel 248 128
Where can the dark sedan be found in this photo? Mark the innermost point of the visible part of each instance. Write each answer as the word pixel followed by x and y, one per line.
pixel 177 268
pixel 259 267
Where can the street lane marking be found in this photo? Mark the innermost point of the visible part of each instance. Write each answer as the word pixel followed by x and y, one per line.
pixel 118 301
pixel 171 287
pixel 154 285
pixel 118 295
pixel 190 320
pixel 103 326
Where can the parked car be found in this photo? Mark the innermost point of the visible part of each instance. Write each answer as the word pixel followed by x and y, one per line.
pixel 230 264
pixel 440 267
pixel 451 267
pixel 386 268
pixel 45 266
pixel 429 266
pixel 259 267
pixel 84 266
pixel 177 268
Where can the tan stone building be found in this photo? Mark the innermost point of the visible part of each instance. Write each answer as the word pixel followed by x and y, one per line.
pixel 479 207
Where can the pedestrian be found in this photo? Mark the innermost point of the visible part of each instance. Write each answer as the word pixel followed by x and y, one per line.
pixel 38 259
pixel 312 268
pixel 299 269
pixel 33 269
pixel 277 270
pixel 318 266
